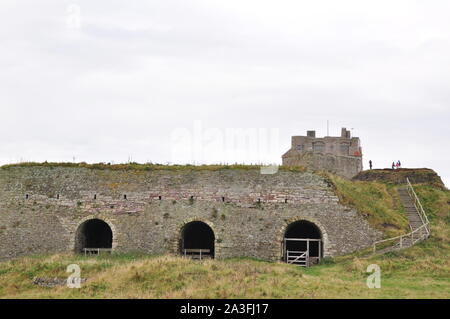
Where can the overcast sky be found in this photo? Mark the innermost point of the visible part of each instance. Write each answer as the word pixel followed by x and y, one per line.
pixel 172 81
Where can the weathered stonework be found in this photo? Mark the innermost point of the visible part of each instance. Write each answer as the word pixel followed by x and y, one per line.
pixel 399 176
pixel 41 209
pixel 338 155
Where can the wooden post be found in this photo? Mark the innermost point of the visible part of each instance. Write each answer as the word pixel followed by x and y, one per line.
pixel 307 253
pixel 320 250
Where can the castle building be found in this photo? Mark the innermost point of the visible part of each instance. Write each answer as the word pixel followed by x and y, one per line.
pixel 339 155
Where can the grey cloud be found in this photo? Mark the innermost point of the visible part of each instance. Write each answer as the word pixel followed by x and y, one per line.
pixel 137 71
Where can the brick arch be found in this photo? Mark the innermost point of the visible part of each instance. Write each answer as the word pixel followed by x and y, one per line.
pixel 179 230
pixel 318 224
pixel 99 217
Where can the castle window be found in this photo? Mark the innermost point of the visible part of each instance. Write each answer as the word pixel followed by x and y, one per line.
pixel 319 147
pixel 345 148
pixel 299 147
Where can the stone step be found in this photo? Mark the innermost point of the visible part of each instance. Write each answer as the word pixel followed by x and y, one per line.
pixel 414 221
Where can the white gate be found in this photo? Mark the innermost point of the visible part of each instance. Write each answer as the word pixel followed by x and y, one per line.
pixel 303 257
pixel 300 258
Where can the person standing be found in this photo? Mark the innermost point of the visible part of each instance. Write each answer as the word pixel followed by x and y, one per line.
pixel 370 164
pixel 399 164
pixel 393 165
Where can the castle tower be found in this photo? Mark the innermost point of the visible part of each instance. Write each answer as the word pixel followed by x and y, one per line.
pixel 339 155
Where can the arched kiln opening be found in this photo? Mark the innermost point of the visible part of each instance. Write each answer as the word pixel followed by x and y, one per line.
pixel 93 237
pixel 197 240
pixel 302 243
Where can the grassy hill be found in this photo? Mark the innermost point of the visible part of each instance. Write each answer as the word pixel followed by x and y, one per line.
pixel 421 271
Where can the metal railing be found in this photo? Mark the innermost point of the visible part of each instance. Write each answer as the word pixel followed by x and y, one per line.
pixel 96 251
pixel 411 236
pixel 197 253
pixel 418 206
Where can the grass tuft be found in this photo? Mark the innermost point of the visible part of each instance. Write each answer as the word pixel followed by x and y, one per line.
pixel 379 203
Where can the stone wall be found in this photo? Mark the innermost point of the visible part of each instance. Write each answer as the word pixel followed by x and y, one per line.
pixel 345 166
pixel 42 207
pixel 338 155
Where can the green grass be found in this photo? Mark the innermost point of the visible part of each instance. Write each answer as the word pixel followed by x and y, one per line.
pixel 421 271
pixel 413 273
pixel 398 176
pixel 436 203
pixel 379 203
pixel 148 166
